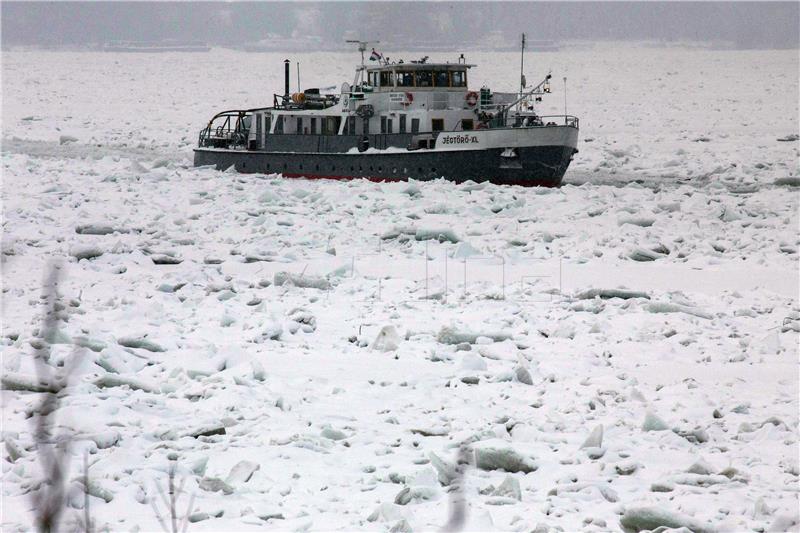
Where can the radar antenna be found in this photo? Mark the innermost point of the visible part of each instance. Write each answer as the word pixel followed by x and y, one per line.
pixel 362 47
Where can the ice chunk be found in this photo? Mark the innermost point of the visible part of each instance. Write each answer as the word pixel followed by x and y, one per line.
pixel 638 519
pixel 652 422
pixel 473 361
pixel 642 254
pixel 611 293
pixel 141 343
pixel 21 382
pixel 448 335
pixel 113 380
pixel 503 459
pixel 595 438
pixel 509 488
pixel 446 472
pixel 666 307
pixel 523 375
pixel 301 280
pixel 387 340
pixel 333 434
pixel 85 251
pixel 441 235
pixel 242 472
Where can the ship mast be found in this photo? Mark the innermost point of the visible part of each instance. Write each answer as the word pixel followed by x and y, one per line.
pixel 362 47
pixel 521 67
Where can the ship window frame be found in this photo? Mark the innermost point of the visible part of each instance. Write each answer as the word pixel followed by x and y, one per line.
pixel 454 75
pixel 467 124
pixel 437 74
pixel 386 76
pixel 415 122
pixel 420 75
pixel 312 129
pixel 299 125
pixel 389 125
pixel 402 122
pixel 407 78
pixel 384 121
pixel 435 122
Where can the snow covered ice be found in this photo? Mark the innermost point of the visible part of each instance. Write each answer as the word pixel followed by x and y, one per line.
pixel 619 352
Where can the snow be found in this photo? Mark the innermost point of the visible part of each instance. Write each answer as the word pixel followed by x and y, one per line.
pixel 210 326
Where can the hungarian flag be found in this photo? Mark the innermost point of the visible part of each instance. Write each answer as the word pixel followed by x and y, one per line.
pixel 375 56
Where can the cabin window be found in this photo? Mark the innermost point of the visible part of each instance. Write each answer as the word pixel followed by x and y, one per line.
pixel 313 129
pixel 442 78
pixel 405 79
pixel 424 78
pixel 330 125
pixel 437 124
pixel 366 126
pixel 383 124
pixel 351 125
pixel 466 124
pixel 373 79
pixel 458 78
pixel 402 123
pixel 386 79
pixel 299 125
pixel 268 126
pixel 389 128
pixel 414 125
pixel 279 124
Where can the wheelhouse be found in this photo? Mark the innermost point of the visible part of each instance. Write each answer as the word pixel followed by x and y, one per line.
pixel 418 76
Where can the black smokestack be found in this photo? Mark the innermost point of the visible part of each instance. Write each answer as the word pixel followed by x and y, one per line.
pixel 286 76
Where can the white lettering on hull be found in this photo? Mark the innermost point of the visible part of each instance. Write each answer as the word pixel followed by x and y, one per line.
pixel 507 138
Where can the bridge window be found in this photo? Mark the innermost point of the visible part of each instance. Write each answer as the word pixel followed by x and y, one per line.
pixel 442 78
pixel 459 78
pixel 279 124
pixel 424 78
pixel 405 79
pixel 386 79
pixel 372 79
pixel 437 124
pixel 466 124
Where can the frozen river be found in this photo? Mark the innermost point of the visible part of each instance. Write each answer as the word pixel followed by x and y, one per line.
pixel 208 300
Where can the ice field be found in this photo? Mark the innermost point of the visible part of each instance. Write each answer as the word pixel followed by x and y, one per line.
pixel 318 355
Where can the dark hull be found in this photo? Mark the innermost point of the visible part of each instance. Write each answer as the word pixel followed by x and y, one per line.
pixel 535 166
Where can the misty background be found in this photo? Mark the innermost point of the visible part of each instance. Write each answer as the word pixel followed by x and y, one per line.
pixel 316 25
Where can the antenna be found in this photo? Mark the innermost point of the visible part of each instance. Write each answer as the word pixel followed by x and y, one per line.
pixel 362 47
pixel 298 78
pixel 565 99
pixel 521 66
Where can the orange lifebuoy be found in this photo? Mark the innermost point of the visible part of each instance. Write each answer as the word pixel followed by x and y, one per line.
pixel 471 98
